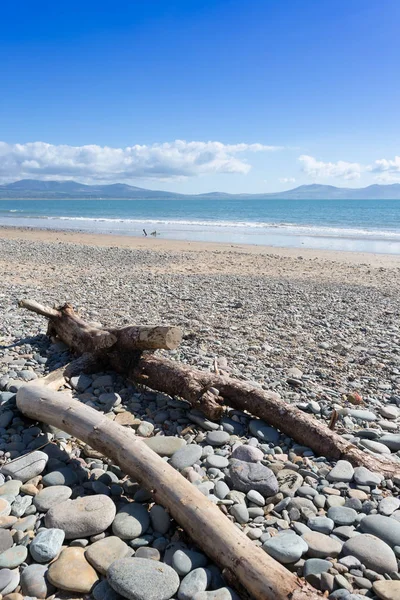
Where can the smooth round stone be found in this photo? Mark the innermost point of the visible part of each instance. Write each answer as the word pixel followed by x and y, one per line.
pixel 186 456
pixel 184 560
pixel 372 552
pixel 351 562
pixel 321 524
pixel 341 515
pixel 306 490
pixel 221 490
pixel 315 566
pixel 387 590
pixel 359 494
pixel 27 466
pixel 342 471
pixel 247 453
pixel 46 545
pixel 363 476
pixel 64 476
pixel 6 540
pixel 263 431
pixel 131 521
pixel 217 438
pixel 247 476
pixel 240 513
pixel 5 507
pixel 389 505
pixel 102 553
pixel 82 517
pixel 321 546
pixel 332 501
pixel 286 547
pixel 217 462
pixel 13 557
pixel 51 496
pixel 34 582
pixel 72 572
pixel 9 581
pixel 255 497
pixel 165 445
pixel 375 447
pixel 365 415
pixel 385 528
pixel 160 519
pixel 143 579
pixel 195 581
pixel 103 591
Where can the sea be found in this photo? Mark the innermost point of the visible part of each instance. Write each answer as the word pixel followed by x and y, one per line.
pixel 351 225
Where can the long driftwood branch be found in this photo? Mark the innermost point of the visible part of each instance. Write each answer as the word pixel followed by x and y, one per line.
pixel 118 349
pixel 259 574
pixel 180 380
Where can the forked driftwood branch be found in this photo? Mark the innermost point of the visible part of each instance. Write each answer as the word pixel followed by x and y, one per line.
pixel 122 350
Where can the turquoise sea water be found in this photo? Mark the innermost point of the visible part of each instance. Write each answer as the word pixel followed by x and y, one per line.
pixel 359 225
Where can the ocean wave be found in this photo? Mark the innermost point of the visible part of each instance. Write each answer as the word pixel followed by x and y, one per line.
pixel 299 229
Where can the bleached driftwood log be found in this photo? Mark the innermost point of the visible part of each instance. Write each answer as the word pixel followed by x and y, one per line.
pixel 261 576
pixel 119 349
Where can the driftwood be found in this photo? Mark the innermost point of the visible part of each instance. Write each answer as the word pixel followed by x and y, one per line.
pixel 121 350
pixel 242 562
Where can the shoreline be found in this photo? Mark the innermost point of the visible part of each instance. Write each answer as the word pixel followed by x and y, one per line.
pixel 182 246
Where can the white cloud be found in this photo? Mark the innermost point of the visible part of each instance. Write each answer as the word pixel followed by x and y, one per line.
pixel 386 166
pixel 177 159
pixel 287 179
pixel 319 169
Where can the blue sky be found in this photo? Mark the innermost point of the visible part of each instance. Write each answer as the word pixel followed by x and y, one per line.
pixel 263 95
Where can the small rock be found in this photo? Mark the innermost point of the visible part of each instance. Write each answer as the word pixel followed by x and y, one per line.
pixel 34 581
pixel 372 552
pixel 131 521
pixel 387 590
pixel 321 546
pixel 195 581
pixel 160 519
pixel 51 496
pixel 143 579
pixel 46 545
pixel 102 553
pixel 342 471
pixel 286 547
pixel 82 517
pixel 27 466
pixel 186 456
pixel 72 572
pixel 13 557
pixel 247 476
pixel 247 453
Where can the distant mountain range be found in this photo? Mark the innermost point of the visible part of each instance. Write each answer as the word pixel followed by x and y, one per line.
pixel 33 188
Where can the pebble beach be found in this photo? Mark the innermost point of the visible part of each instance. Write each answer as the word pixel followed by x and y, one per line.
pixel 320 328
